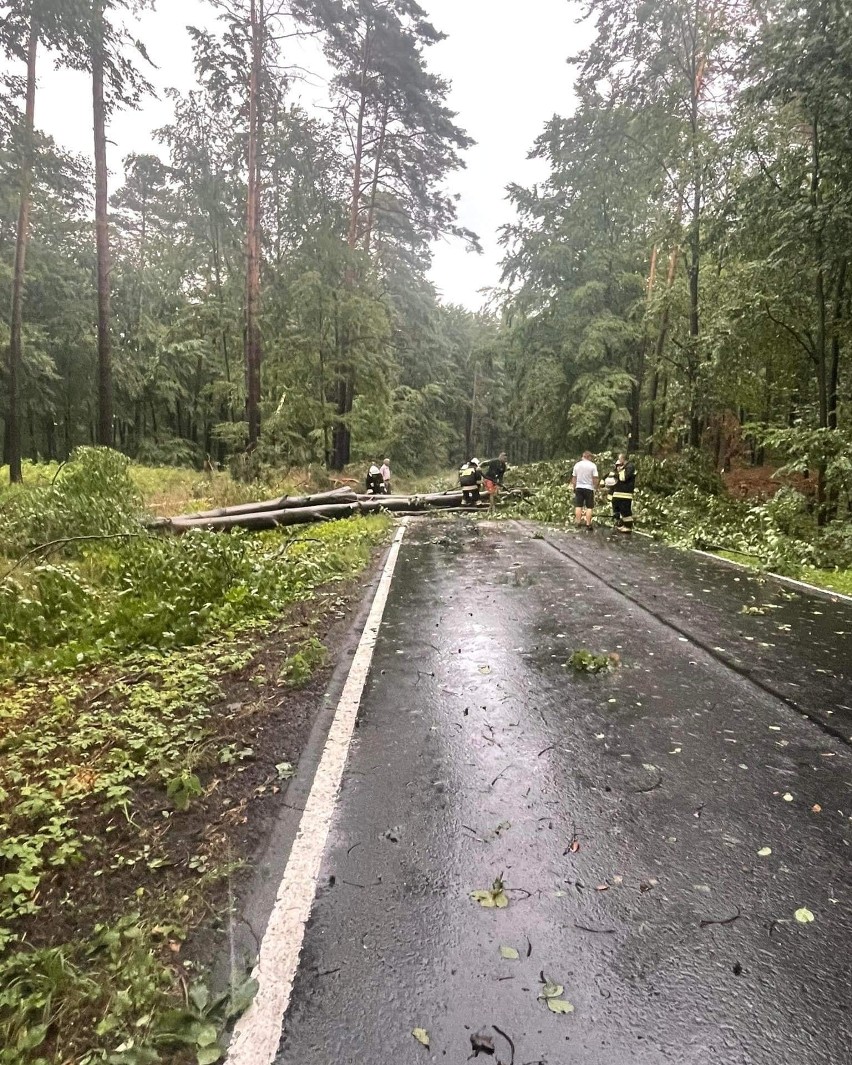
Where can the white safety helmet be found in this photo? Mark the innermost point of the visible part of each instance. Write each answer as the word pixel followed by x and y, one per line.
pixel 475 462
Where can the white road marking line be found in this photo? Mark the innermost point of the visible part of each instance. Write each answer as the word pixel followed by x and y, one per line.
pixel 258 1032
pixel 825 592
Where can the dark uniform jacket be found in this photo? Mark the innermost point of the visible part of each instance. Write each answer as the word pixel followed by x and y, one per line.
pixel 470 476
pixel 625 481
pixel 375 484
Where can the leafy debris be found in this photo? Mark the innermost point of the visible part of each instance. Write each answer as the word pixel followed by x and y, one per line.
pixel 494 897
pixel 421 1035
pixel 583 661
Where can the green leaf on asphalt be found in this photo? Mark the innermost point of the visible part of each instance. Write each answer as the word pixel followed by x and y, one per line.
pixel 764 852
pixel 484 669
pixel 285 770
pixel 559 1005
pixel 509 953
pixel 551 990
pixel 804 915
pixel 787 797
pixel 494 898
pixel 422 1036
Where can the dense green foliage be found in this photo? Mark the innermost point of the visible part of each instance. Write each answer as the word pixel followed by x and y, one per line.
pixel 116 653
pixel 683 501
pixel 679 279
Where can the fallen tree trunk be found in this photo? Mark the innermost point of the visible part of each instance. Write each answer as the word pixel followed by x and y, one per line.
pixel 269 516
pixel 336 495
pixel 414 503
pixel 272 519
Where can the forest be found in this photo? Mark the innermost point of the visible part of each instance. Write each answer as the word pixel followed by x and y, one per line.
pixel 252 311
pixel 258 293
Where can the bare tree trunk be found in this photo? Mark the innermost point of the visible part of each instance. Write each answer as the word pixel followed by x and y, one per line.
pixel 16 345
pixel 253 350
pixel 341 442
pixel 693 355
pixel 834 365
pixel 374 188
pixel 355 198
pixel 660 346
pixel 105 398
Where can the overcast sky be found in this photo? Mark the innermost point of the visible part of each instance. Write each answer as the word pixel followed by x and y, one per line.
pixel 505 58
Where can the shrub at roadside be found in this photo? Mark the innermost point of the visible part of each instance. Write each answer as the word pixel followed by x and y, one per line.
pixel 682 501
pixel 116 656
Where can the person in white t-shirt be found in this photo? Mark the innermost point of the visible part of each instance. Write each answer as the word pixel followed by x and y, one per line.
pixel 386 476
pixel 584 481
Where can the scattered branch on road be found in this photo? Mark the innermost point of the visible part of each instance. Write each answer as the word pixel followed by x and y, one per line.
pixel 501 773
pixel 597 931
pixel 728 920
pixel 508 1040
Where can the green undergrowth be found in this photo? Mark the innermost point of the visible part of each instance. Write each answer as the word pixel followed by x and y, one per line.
pixel 683 503
pixel 117 736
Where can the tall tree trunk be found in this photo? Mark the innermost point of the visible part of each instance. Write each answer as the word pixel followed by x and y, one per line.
pixel 699 69
pixel 105 397
pixel 341 442
pixel 13 452
pixel 253 352
pixel 374 186
pixel 355 196
pixel 662 336
pixel 821 307
pixel 834 364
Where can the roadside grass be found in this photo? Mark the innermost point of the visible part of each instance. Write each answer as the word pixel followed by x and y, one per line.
pixel 139 675
pixel 839 580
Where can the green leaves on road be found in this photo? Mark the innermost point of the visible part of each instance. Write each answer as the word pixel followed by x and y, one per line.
pixel 583 661
pixel 551 994
pixel 421 1035
pixel 494 897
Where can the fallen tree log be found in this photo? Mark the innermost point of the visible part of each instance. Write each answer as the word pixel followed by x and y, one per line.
pixel 335 495
pixel 272 519
pixel 415 502
pixel 344 506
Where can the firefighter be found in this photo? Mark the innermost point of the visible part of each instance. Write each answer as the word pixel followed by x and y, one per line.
pixel 621 484
pixel 375 482
pixel 470 477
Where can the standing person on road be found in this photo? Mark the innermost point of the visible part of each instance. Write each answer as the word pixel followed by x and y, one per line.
pixel 584 481
pixel 386 476
pixel 470 477
pixel 621 484
pixel 493 472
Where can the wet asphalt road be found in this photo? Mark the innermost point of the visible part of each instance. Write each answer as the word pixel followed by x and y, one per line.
pixel 478 753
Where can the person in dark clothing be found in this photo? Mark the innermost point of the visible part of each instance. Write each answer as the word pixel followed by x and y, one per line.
pixel 470 478
pixel 621 484
pixel 375 482
pixel 493 471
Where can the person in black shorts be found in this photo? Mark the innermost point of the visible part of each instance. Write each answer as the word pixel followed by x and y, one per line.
pixel 584 481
